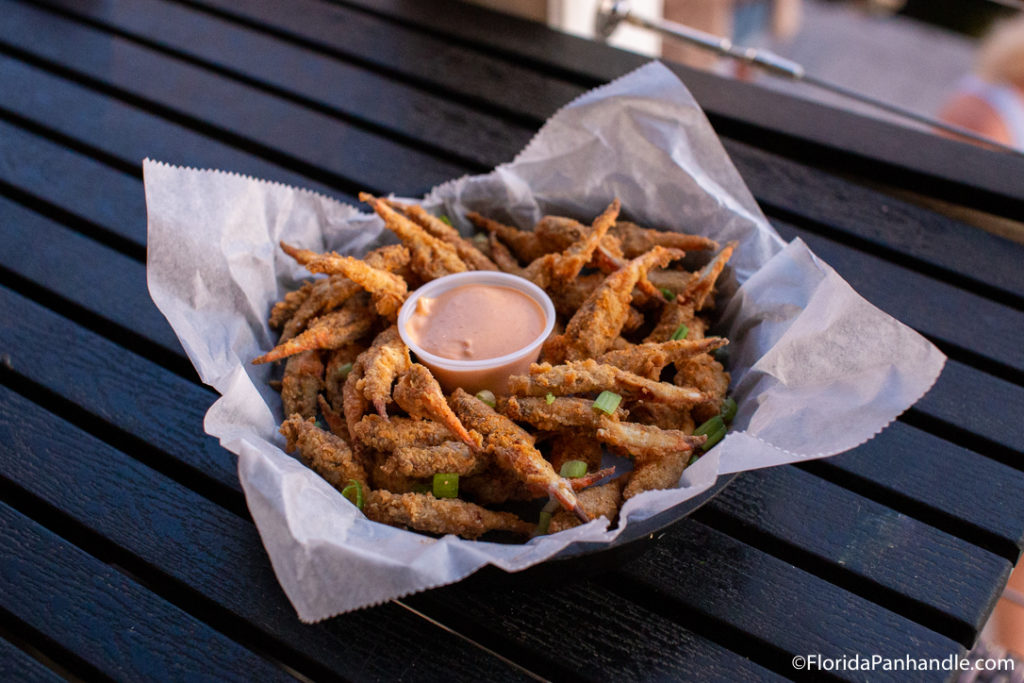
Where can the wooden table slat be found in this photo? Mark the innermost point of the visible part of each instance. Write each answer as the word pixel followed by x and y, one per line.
pixel 82 271
pixel 214 552
pixel 242 114
pixel 920 466
pixel 871 549
pixel 73 111
pixel 790 612
pixel 103 483
pixel 450 131
pixel 104 617
pixel 124 391
pixel 17 665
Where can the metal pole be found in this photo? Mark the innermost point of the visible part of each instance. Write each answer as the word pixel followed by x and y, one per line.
pixel 612 13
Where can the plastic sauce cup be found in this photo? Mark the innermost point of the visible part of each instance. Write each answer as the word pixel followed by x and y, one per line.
pixel 487 373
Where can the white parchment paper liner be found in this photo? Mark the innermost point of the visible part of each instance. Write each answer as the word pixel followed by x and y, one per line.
pixel 816 369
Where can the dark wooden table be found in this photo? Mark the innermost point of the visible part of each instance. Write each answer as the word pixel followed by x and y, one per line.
pixel 128 551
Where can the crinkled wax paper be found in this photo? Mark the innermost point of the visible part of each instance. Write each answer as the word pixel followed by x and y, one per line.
pixel 816 369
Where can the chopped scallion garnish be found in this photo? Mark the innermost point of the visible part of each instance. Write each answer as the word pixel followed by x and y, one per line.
pixel 714 429
pixel 543 522
pixel 709 427
pixel 342 371
pixel 668 293
pixel 607 401
pixel 446 485
pixel 354 492
pixel 680 332
pixel 693 459
pixel 445 219
pixel 549 399
pixel 488 397
pixel 729 409
pixel 714 438
pixel 573 469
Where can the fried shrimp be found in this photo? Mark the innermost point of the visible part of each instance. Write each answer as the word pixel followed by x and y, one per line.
pixel 382 363
pixel 419 394
pixel 327 294
pixel 554 270
pixel 431 257
pixel 578 413
pixel 425 461
pixel 330 331
pixel 645 442
pixel 576 444
pixel 353 404
pixel 707 375
pixel 598 501
pixel 507 263
pixel 423 512
pixel 339 365
pixel 301 384
pixel 587 376
pixel 284 309
pixel 526 244
pixel 387 289
pixel 600 320
pixel 335 422
pixel 387 436
pixel 329 455
pixel 469 254
pixel 648 360
pixel 636 240
pixel 628 313
pixel 700 288
pixel 513 449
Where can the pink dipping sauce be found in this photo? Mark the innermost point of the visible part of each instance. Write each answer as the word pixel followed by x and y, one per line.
pixel 476 322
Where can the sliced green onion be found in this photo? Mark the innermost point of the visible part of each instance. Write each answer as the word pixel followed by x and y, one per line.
pixel 343 370
pixel 488 397
pixel 710 427
pixel 729 408
pixel 446 485
pixel 714 429
pixel 680 332
pixel 549 399
pixel 318 424
pixel 721 354
pixel 668 293
pixel 607 401
pixel 693 459
pixel 714 438
pixel 573 469
pixel 354 492
pixel 543 522
pixel 445 219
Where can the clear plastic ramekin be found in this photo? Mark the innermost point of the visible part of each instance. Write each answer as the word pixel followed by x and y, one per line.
pixel 488 373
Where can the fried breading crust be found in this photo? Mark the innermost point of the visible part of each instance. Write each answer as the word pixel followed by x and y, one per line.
pixel 587 376
pixel 328 454
pixel 560 413
pixel 302 381
pixel 424 512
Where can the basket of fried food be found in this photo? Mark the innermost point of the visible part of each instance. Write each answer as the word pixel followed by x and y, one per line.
pixel 628 371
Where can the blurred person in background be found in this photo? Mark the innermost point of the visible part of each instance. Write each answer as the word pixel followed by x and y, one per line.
pixel 990 101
